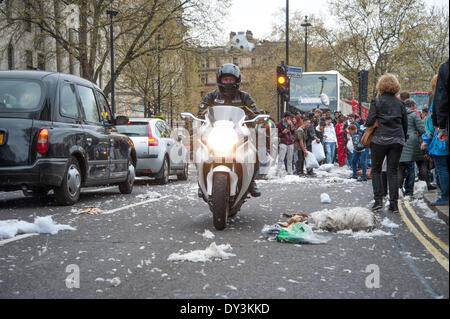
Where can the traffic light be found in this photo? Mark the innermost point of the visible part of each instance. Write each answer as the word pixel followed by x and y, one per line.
pixel 363 79
pixel 282 82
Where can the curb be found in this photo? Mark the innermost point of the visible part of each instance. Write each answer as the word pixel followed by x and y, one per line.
pixel 442 211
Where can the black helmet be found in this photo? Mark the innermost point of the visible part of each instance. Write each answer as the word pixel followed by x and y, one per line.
pixel 229 89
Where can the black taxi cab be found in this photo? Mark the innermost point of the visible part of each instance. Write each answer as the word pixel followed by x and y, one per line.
pixel 56 132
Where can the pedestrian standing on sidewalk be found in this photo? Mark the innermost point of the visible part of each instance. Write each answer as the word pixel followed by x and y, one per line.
pixel 300 146
pixel 336 118
pixel 359 155
pixel 388 138
pixel 404 95
pixel 350 121
pixel 341 147
pixel 411 152
pixel 330 140
pixel 441 102
pixel 437 146
pixel 310 137
pixel 286 144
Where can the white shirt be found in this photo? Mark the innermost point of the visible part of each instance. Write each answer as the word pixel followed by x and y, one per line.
pixel 330 134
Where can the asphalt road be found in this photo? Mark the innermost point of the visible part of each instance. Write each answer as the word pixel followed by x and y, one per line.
pixel 134 234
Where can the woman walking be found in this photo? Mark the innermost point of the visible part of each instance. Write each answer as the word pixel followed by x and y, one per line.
pixel 388 138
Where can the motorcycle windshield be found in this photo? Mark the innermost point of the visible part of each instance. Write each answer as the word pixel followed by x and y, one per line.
pixel 225 113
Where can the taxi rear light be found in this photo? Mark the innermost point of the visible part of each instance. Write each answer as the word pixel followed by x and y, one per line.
pixel 42 142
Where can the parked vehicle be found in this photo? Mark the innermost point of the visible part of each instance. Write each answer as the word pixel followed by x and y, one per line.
pixel 158 154
pixel 56 132
pixel 225 160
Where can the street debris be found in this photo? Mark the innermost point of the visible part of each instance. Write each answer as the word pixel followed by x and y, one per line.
pixel 114 281
pixel 296 233
pixel 294 218
pixel 42 225
pixel 89 211
pixel 208 234
pixel 149 195
pixel 213 252
pixel 388 223
pixel 326 167
pixel 420 187
pixel 341 218
pixel 325 198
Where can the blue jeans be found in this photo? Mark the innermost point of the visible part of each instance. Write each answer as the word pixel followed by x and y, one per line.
pixel 442 170
pixel 360 157
pixel 330 150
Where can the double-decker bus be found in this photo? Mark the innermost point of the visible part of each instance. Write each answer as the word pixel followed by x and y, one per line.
pixel 305 92
pixel 421 99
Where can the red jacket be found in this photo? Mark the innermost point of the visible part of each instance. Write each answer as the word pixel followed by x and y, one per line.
pixel 339 128
pixel 285 138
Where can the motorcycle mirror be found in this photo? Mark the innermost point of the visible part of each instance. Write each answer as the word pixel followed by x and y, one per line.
pixel 186 115
pixel 259 118
pixel 190 116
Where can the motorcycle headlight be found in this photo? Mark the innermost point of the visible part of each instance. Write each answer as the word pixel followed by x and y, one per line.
pixel 222 140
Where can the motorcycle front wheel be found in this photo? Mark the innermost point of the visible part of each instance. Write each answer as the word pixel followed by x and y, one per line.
pixel 220 201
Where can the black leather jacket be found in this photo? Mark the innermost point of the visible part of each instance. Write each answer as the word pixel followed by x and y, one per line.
pixel 241 99
pixel 391 114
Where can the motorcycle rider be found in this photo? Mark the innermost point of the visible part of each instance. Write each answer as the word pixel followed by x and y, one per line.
pixel 228 79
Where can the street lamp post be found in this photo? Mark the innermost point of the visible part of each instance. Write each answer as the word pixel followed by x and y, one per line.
pixel 158 39
pixel 111 43
pixel 306 24
pixel 287 32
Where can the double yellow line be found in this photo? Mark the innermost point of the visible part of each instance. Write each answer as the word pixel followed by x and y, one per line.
pixel 433 250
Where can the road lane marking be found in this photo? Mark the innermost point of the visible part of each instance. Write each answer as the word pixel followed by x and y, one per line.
pixel 133 205
pixel 425 229
pixel 18 237
pixel 436 254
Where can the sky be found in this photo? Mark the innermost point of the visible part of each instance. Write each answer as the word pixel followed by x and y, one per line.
pixel 258 15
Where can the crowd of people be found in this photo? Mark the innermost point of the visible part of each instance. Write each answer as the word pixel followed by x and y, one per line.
pixel 338 135
pixel 403 139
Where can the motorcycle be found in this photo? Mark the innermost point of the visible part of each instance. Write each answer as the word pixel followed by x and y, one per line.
pixel 225 157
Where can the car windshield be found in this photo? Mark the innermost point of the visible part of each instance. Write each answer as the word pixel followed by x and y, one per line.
pixel 19 95
pixel 225 113
pixel 134 129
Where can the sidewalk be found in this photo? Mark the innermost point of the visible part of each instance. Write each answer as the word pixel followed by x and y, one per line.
pixel 442 211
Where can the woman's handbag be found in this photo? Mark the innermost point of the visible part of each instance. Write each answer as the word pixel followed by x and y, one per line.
pixel 368 133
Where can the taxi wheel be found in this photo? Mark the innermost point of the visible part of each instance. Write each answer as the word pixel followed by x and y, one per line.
pixel 69 191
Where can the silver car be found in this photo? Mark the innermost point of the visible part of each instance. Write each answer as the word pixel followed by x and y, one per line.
pixel 158 155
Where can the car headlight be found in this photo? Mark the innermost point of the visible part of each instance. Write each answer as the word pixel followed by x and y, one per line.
pixel 222 140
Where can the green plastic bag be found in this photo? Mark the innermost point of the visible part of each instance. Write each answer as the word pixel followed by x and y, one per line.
pixel 300 233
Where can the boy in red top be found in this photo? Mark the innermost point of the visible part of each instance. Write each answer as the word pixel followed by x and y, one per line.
pixel 341 147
